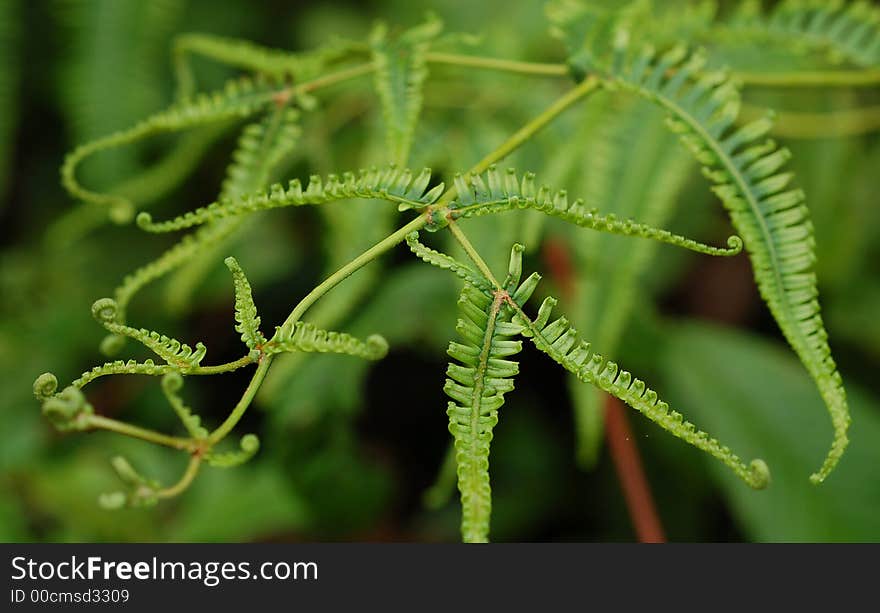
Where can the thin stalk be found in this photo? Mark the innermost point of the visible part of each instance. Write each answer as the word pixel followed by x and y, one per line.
pixel 513 143
pixel 99 422
pixel 472 253
pixel 192 469
pixel 221 368
pixel 832 78
pixel 491 63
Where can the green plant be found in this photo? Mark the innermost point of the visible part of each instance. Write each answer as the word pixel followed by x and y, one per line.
pixel 701 100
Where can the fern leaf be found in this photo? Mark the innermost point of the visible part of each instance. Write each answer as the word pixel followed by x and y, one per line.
pixel 392 184
pixel 563 344
pixel 303 336
pixel 446 262
pixel 245 310
pixel 747 172
pixel 401 70
pixel 118 367
pixel 477 382
pixel 248 447
pixel 845 31
pixel 494 193
pixel 239 99
pixel 245 54
pixel 171 385
pixel 171 350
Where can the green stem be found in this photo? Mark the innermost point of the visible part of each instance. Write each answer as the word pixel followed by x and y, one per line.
pixel 854 78
pixel 192 469
pixel 221 368
pixel 490 63
pixel 513 143
pixel 472 253
pixel 99 422
pixel 239 410
pixel 359 262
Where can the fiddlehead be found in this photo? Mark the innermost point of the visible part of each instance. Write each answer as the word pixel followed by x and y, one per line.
pixel 171 350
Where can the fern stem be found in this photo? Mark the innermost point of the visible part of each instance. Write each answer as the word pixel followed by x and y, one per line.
pixel 491 63
pixel 586 87
pixel 334 78
pixel 472 253
pixel 792 124
pixel 246 398
pixel 192 469
pixel 346 271
pixel 99 422
pixel 832 78
pixel 221 368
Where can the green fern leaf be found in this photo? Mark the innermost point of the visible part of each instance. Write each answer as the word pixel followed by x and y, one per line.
pixel 496 193
pixel 845 31
pixel 446 262
pixel 392 184
pixel 747 173
pixel 239 99
pixel 118 367
pixel 245 310
pixel 303 336
pixel 563 344
pixel 171 350
pixel 401 70
pixel 255 58
pixel 477 383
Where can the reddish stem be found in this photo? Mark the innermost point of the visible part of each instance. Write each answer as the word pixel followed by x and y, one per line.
pixel 628 465
pixel 624 452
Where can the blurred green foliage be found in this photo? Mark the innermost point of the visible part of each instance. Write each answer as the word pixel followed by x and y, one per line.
pixel 343 458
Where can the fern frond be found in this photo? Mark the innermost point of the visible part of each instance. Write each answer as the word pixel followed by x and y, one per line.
pixel 563 344
pixel 172 383
pixel 748 175
pixel 249 56
pixel 477 383
pixel 303 336
pixel 401 70
pixel 447 262
pixel 846 31
pixel 248 447
pixel 239 99
pixel 494 193
pixel 118 367
pixel 245 310
pixel 169 349
pixel 392 184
